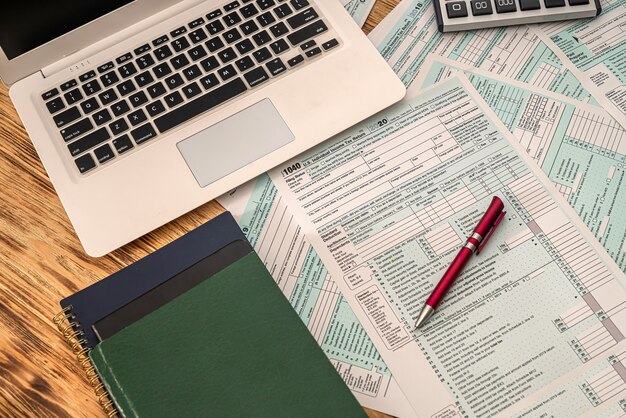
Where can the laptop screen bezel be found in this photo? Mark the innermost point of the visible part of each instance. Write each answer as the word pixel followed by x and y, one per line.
pixel 77 39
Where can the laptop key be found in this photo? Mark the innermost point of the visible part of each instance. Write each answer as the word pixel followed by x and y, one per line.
pixel 215 27
pixel 330 44
pixel 91 87
pixel 118 127
pixel 104 153
pixel 123 144
pixel 200 105
pixel 106 67
pixel 266 19
pixel 162 70
pixel 227 55
pixel 279 29
pixel 163 52
pixel 262 38
pixel 265 4
pixel 192 72
pixel 73 96
pixel 209 81
pixel 302 18
pixel 231 6
pixel 127 87
pixel 245 46
pixel 178 32
pixel 88 142
pixel 197 53
pixel 102 117
pixel 173 99
pixel 50 94
pixel 155 108
pixel 227 72
pixel 214 14
pixel 283 11
pixel 299 4
pixel 160 40
pixel 307 32
pixel 179 61
pixel 214 44
pixel 145 61
pixel 249 27
pixel 90 105
pixel 120 108
pixel 76 130
pixel 244 63
pixel 107 96
pixel 209 64
pixel 232 19
pixel 144 79
pixel 127 70
pixel 195 23
pixel 143 48
pixel 143 133
pixel 122 59
pixel 192 90
pixel 295 60
pixel 232 35
pixel 308 44
pixel 197 35
pixel 276 67
pixel 174 81
pixel 256 76
pixel 180 44
pixel 137 117
pixel 138 99
pixel 156 90
pixel 68 85
pixel 262 54
pixel 109 78
pixel 249 11
pixel 313 52
pixel 87 76
pixel 55 105
pixel 85 163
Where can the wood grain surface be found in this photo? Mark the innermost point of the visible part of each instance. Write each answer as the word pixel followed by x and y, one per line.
pixel 41 262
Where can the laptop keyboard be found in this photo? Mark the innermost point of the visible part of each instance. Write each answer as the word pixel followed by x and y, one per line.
pixel 131 100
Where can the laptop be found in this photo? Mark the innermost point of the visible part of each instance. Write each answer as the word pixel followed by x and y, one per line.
pixel 142 110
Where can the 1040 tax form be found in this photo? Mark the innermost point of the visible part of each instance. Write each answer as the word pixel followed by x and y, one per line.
pixel 386 206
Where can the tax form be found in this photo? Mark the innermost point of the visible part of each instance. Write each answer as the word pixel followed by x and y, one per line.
pixel 293 263
pixel 359 9
pixel 387 204
pixel 580 147
pixel 595 51
pixel 409 33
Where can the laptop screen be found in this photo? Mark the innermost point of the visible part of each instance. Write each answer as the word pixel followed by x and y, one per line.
pixel 26 25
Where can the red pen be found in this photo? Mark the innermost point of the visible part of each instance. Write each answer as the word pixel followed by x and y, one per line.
pixel 474 244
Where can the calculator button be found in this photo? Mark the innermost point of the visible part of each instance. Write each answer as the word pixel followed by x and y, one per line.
pixel 554 3
pixel 505 6
pixel 456 9
pixel 529 4
pixel 481 7
pixel 578 2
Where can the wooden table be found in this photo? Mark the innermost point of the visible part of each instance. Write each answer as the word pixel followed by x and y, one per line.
pixel 41 261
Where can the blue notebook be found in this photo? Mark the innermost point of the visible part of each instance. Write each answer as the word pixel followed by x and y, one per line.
pixel 97 301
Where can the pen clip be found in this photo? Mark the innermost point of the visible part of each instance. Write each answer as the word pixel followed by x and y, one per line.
pixel 491 231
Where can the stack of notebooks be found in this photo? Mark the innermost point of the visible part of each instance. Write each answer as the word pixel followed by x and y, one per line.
pixel 199 328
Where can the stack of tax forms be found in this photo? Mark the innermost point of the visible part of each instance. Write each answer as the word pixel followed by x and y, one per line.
pixel 357 231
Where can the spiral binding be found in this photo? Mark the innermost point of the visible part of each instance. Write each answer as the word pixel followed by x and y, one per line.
pixel 75 338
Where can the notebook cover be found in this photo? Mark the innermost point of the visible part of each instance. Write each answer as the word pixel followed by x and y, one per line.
pixel 171 289
pixel 100 299
pixel 230 347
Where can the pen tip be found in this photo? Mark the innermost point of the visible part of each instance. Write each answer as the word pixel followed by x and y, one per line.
pixel 425 314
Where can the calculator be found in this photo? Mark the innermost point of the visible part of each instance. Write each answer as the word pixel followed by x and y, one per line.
pixel 459 15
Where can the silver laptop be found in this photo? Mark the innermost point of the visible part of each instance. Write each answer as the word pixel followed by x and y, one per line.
pixel 142 110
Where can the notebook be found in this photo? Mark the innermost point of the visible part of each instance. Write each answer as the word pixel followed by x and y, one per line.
pixel 231 346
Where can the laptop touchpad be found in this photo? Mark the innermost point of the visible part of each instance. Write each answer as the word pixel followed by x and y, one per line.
pixel 235 142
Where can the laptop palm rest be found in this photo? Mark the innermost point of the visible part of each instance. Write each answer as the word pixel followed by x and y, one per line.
pixel 235 142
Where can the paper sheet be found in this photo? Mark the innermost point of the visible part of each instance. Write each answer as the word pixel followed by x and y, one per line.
pixel 409 33
pixel 595 51
pixel 303 278
pixel 386 206
pixel 580 147
pixel 359 9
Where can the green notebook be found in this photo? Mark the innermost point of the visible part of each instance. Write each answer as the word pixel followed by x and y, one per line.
pixel 232 346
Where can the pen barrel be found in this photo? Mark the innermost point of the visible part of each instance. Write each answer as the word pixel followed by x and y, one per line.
pixel 449 277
